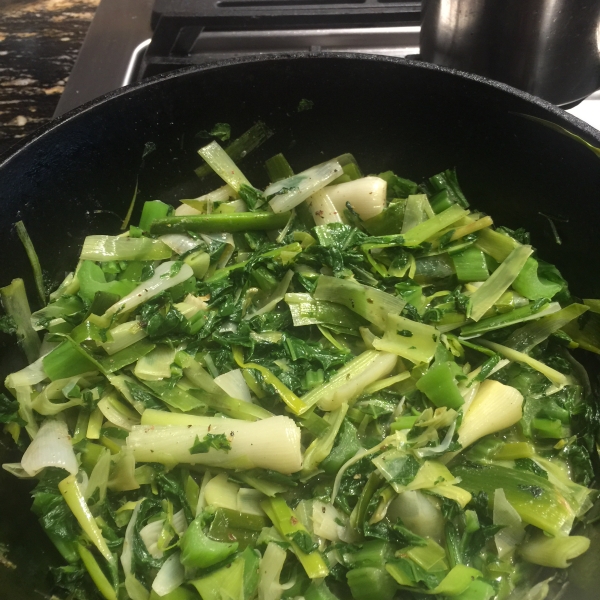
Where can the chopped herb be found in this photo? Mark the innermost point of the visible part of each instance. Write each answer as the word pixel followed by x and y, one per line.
pixel 283 190
pixel 526 464
pixel 305 104
pixel 9 411
pixel 487 367
pixel 303 540
pixel 222 131
pixel 175 268
pixel 8 325
pixel 534 490
pixel 251 196
pixel 217 441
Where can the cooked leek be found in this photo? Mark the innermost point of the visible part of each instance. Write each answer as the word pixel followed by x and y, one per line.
pixel 422 232
pixel 350 380
pixel 272 443
pixel 527 337
pixel 163 279
pixel 417 211
pixel 104 248
pixel 554 552
pixel 495 407
pixel 33 259
pixel 76 502
pixel 218 222
pixel 365 195
pixel 414 341
pixel 518 315
pixel 537 501
pixel 500 280
pixel 16 305
pixel 557 378
pixel 290 527
pixel 223 165
pixel 242 146
pixel 285 194
pixel 528 283
pixel 370 303
pixel 497 245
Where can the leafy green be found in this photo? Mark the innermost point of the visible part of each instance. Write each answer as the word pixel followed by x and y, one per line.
pixel 407 471
pixel 92 280
pixel 221 131
pixel 447 183
pixel 142 562
pixel 529 284
pixel 305 104
pixel 389 221
pixel 9 411
pixel 8 325
pixel 217 441
pixel 473 543
pixel 143 396
pixel 520 235
pixel 535 490
pixel 54 515
pixel 197 550
pixel 537 501
pixel 159 323
pixel 251 196
pixel 303 540
pixel 352 484
pixel 397 187
pixel 580 463
pixel 406 537
pixel 526 464
pixel 487 367
pixel 326 357
pixel 171 486
pixel 75 581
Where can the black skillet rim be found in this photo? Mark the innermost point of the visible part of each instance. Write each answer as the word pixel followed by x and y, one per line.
pixel 20 146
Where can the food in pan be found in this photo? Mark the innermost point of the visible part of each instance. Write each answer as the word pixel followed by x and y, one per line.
pixel 338 386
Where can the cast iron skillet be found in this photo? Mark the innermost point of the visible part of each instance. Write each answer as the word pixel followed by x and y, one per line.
pixel 76 177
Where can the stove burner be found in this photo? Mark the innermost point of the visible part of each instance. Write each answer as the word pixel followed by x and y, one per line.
pixel 219 45
pixel 197 32
pixel 132 39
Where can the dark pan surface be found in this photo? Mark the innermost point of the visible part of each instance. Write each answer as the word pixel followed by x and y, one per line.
pixel 78 175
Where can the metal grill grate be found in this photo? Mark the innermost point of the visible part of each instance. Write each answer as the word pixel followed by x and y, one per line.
pixel 196 31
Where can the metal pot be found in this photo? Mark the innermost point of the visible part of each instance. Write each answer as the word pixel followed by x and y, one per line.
pixel 77 175
pixel 548 48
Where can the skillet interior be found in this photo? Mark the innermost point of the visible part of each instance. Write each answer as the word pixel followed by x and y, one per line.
pixel 77 177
